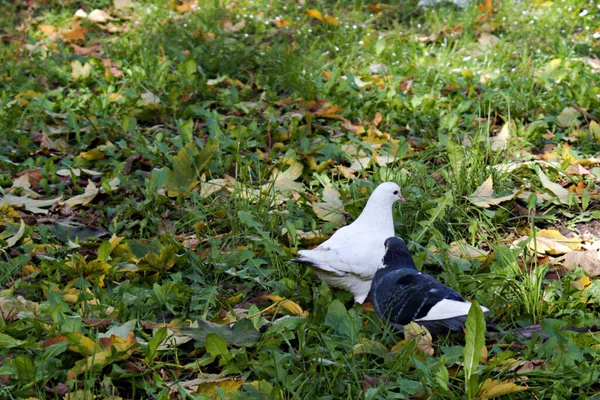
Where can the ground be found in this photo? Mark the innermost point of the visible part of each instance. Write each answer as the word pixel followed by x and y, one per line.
pixel 161 163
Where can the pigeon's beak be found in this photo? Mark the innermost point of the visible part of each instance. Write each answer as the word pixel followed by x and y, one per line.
pixel 402 199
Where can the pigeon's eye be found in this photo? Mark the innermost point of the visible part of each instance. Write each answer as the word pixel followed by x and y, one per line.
pixel 395 192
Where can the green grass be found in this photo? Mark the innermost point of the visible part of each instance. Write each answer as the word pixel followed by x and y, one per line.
pixel 177 101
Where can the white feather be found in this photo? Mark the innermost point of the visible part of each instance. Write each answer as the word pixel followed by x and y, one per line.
pixel 448 309
pixel 352 255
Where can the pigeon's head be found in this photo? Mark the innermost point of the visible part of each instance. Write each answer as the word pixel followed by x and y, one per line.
pixel 388 191
pixel 397 254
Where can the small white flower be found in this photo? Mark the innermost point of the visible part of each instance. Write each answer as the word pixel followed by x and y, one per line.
pixel 583 13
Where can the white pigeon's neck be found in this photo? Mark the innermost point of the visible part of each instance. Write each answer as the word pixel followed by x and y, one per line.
pixel 378 213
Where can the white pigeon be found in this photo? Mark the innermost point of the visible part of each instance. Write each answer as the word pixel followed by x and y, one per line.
pixel 351 256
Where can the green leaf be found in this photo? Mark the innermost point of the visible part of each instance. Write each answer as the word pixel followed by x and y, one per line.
pixel 7 341
pixel 186 129
pixel 23 364
pixel 152 348
pixel 217 347
pixel 474 342
pixel 242 334
pixel 456 158
pixel 435 213
pixel 104 251
pixel 338 319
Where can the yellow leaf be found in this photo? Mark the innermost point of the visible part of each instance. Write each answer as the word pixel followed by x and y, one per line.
pixel 494 388
pixel 331 21
pixel 316 14
pixel 419 333
pixel 558 237
pixel 81 344
pixel 47 29
pixel 289 305
pixel 595 130
pixel 80 71
pixel 92 155
pixel 581 283
pixel 228 386
pixel 483 196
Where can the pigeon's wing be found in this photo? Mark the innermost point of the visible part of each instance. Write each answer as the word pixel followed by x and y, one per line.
pixel 407 295
pixel 359 255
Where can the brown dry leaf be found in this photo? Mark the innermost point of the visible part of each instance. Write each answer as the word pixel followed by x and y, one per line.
pixel 86 51
pixel 588 260
pixel 346 172
pixel 378 118
pixel 33 176
pixel 493 388
pixel 229 26
pixel 76 32
pixel 421 335
pixel 528 366
pixel 47 29
pixel 332 208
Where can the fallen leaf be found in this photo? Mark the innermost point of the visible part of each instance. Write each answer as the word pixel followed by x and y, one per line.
pixel 463 250
pixel 568 117
pixel 419 333
pixel 332 208
pixel 90 192
pixel 493 388
pixel 285 182
pixel 80 14
pixel 316 14
pixel 487 40
pixel 581 283
pixel 76 33
pixel 150 98
pixel 289 305
pixel 121 4
pixel 47 29
pixel 13 239
pixel 80 71
pixel 331 21
pixel 500 141
pixel 229 26
pixel 99 16
pixel 561 193
pixel 86 51
pixel 92 155
pixel 483 196
pixel 31 205
pixel 588 260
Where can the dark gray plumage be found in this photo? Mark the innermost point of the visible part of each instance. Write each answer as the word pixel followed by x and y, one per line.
pixel 401 294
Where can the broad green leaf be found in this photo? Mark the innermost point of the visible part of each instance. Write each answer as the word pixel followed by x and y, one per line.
pixel 217 347
pixel 7 341
pixel 23 364
pixel 338 319
pixel 435 214
pixel 104 251
pixel 242 334
pixel 474 342
pixel 373 347
pixel 456 158
pixel 154 343
pixel 186 129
